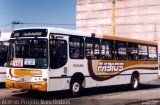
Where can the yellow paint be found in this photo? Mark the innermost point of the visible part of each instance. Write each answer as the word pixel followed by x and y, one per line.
pixel 117 38
pixel 113 18
pixel 127 65
pixel 19 72
pixel 27 85
pixel 8 84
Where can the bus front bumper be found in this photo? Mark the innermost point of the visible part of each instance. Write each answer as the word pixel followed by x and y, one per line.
pixel 40 86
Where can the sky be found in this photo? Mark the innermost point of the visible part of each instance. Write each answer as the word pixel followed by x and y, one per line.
pixel 36 12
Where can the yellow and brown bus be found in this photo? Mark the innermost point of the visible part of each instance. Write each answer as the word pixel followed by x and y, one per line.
pixel 51 59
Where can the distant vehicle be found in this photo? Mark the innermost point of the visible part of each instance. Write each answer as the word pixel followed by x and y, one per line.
pixel 4 45
pixel 51 59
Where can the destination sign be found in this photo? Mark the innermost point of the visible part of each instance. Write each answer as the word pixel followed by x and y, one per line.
pixel 29 33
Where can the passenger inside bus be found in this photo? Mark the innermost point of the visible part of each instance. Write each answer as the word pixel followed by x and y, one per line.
pixel 132 54
pixel 75 53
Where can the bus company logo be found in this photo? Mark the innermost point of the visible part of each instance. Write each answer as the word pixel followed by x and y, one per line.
pixel 35 72
pixel 110 67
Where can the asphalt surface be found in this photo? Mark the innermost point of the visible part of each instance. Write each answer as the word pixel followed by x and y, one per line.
pixel 147 94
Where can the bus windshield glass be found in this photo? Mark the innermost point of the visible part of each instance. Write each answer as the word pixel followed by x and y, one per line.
pixel 28 53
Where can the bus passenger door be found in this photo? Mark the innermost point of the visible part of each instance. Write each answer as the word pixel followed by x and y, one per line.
pixel 58 61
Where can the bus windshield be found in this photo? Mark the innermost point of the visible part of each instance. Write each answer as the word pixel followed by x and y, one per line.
pixel 28 53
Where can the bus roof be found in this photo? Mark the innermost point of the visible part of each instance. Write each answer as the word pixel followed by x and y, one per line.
pixel 117 38
pixel 88 34
pixel 60 31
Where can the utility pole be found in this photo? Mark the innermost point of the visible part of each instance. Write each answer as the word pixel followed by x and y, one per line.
pixel 15 23
pixel 113 17
pixel 155 33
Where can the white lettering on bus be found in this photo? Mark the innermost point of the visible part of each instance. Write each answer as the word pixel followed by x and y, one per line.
pixel 110 67
pixel 35 72
pixel 33 34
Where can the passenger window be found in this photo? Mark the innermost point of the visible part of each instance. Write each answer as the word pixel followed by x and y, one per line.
pixel 92 48
pixel 120 51
pixel 58 53
pixel 132 51
pixel 153 53
pixel 107 50
pixel 143 53
pixel 76 47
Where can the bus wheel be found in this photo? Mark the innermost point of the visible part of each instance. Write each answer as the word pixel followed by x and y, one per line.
pixel 134 82
pixel 76 87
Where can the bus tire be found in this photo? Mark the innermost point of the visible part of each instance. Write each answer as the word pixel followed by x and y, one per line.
pixel 76 87
pixel 134 82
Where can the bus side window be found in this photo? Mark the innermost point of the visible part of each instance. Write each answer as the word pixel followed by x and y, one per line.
pixel 107 49
pixel 92 48
pixel 76 47
pixel 153 55
pixel 121 51
pixel 132 51
pixel 143 52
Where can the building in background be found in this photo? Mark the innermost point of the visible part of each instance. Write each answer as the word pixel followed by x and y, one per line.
pixel 138 19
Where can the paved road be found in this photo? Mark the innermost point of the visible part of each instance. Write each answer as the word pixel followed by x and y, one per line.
pixel 112 95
